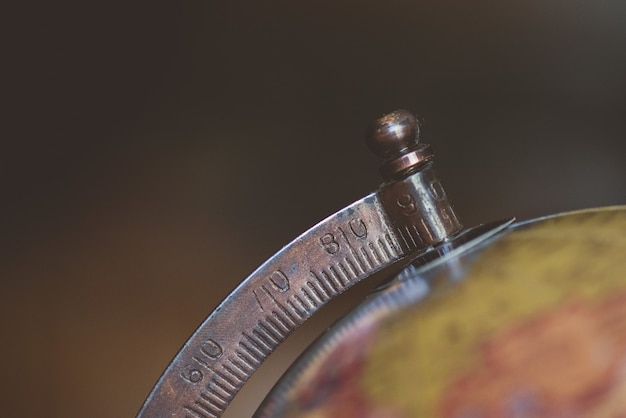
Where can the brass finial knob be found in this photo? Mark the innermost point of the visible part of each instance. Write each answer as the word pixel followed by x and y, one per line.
pixel 395 138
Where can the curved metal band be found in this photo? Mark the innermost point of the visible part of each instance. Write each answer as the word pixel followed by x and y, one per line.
pixel 405 217
pixel 271 303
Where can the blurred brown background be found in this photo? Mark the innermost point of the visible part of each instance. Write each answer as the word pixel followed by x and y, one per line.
pixel 160 152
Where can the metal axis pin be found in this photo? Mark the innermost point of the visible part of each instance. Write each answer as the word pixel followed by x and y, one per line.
pixel 412 195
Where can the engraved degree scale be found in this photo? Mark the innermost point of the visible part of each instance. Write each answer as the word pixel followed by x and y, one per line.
pixel 408 216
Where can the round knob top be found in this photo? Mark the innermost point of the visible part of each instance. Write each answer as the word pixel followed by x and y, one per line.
pixel 393 134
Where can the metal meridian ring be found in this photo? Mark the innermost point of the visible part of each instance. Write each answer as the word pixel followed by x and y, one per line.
pixel 405 217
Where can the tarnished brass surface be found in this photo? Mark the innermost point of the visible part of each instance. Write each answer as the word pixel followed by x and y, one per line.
pixel 406 217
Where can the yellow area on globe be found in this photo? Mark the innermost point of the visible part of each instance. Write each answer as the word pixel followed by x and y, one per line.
pixel 530 272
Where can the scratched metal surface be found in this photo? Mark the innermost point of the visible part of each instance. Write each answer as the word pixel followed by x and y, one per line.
pixel 409 215
pixel 265 309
